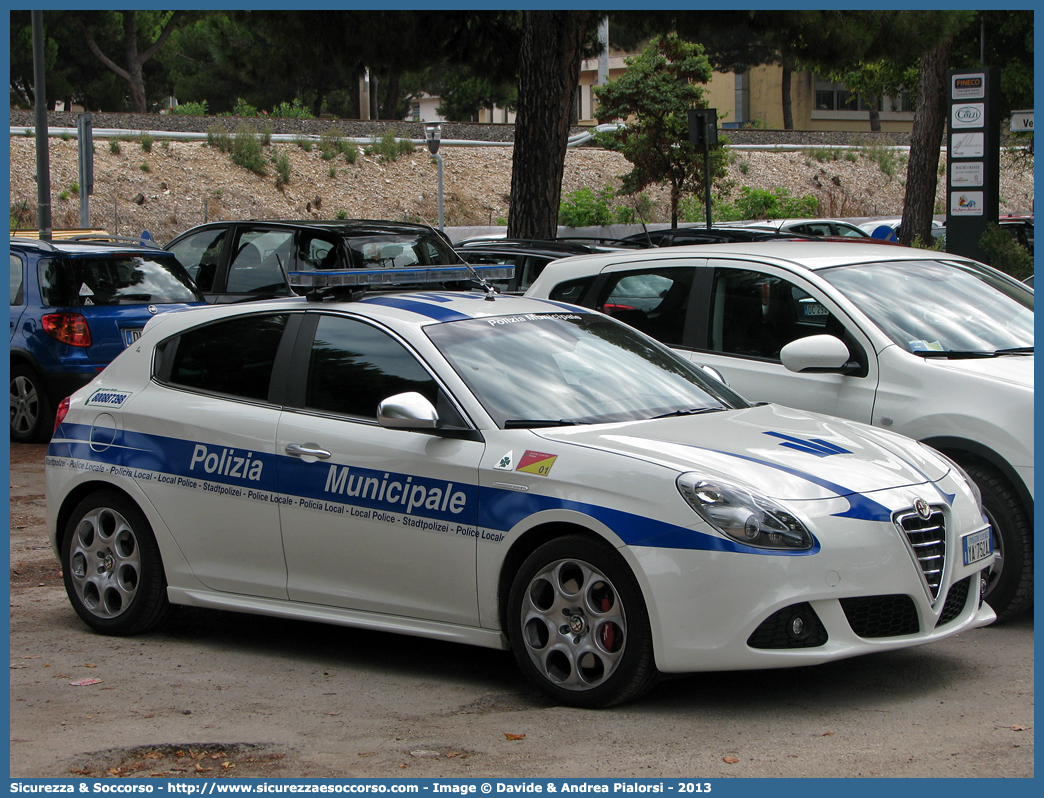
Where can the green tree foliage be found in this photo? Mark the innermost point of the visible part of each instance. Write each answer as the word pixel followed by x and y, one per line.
pixel 73 73
pixel 755 203
pixel 1005 38
pixel 140 36
pixel 1005 253
pixel 653 97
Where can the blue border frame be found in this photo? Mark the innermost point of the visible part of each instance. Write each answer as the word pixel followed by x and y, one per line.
pixel 854 787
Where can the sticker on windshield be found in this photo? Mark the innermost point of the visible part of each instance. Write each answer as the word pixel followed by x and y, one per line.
pixel 537 463
pixel 500 321
pixel 507 462
pixel 925 346
pixel 85 290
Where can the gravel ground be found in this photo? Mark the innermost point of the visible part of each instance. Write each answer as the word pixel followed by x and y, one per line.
pixel 219 694
pixel 179 184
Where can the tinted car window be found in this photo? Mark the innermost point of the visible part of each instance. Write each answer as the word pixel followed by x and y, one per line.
pixel 200 255
pixel 571 291
pixel 756 314
pixel 316 252
pixel 397 251
pixel 115 280
pixel 261 256
pixel 654 301
pixel 232 357
pixel 16 280
pixel 353 367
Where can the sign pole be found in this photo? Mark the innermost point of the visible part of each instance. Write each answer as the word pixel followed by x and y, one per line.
pixel 972 159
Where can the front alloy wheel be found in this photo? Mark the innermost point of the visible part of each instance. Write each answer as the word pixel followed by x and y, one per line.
pixel 579 627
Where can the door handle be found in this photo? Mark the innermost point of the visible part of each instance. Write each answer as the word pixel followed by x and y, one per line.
pixel 307 450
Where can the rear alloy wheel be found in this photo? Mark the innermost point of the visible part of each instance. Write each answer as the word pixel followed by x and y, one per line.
pixel 32 416
pixel 578 624
pixel 1009 583
pixel 111 566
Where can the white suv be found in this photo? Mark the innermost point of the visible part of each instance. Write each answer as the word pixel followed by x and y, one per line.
pixel 927 344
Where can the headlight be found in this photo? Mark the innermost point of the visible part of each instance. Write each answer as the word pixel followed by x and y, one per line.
pixel 743 515
pixel 964 474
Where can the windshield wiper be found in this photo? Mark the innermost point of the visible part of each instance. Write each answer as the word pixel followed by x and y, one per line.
pixel 536 423
pixel 695 411
pixel 956 354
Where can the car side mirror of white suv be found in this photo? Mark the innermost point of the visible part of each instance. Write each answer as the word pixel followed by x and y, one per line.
pixel 816 353
pixel 407 411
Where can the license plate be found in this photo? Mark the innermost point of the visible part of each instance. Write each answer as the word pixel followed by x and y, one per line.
pixel 130 336
pixel 977 546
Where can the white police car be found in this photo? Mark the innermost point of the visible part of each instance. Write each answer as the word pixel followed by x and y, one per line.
pixel 506 472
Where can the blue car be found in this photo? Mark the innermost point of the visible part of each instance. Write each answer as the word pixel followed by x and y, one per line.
pixel 75 305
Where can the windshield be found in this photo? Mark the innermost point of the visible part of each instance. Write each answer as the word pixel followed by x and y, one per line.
pixel 397 251
pixel 940 306
pixel 563 368
pixel 115 280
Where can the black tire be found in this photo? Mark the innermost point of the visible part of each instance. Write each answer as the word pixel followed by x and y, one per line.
pixel 1009 586
pixel 578 624
pixel 32 413
pixel 111 566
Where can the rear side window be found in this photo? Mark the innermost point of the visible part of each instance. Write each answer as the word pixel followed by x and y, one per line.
pixel 396 251
pixel 260 261
pixel 118 279
pixel 200 254
pixel 17 295
pixel 654 301
pixel 234 357
pixel 571 291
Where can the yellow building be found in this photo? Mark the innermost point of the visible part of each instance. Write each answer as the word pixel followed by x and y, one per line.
pixel 754 99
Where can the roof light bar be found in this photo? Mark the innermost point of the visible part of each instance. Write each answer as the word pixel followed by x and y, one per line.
pixel 405 276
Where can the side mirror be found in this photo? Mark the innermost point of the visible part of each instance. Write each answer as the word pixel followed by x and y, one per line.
pixel 816 353
pixel 714 374
pixel 407 411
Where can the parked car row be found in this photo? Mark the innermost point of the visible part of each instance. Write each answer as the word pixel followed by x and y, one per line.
pixel 429 424
pixel 502 471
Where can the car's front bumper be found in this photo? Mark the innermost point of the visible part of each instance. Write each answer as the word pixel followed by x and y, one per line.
pixel 861 592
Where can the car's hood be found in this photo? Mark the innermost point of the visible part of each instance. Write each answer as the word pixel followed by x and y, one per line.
pixel 785 453
pixel 1013 369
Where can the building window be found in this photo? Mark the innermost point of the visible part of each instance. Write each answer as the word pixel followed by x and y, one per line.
pixel 837 97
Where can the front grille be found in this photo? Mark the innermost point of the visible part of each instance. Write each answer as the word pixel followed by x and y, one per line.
pixel 955 601
pixel 881 616
pixel 927 539
pixel 779 630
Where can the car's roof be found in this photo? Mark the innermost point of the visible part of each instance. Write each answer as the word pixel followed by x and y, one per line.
pixel 543 247
pixel 799 253
pixel 88 247
pixel 396 308
pixel 344 227
pixel 776 224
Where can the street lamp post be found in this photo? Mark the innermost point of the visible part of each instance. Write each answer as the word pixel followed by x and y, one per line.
pixel 432 135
